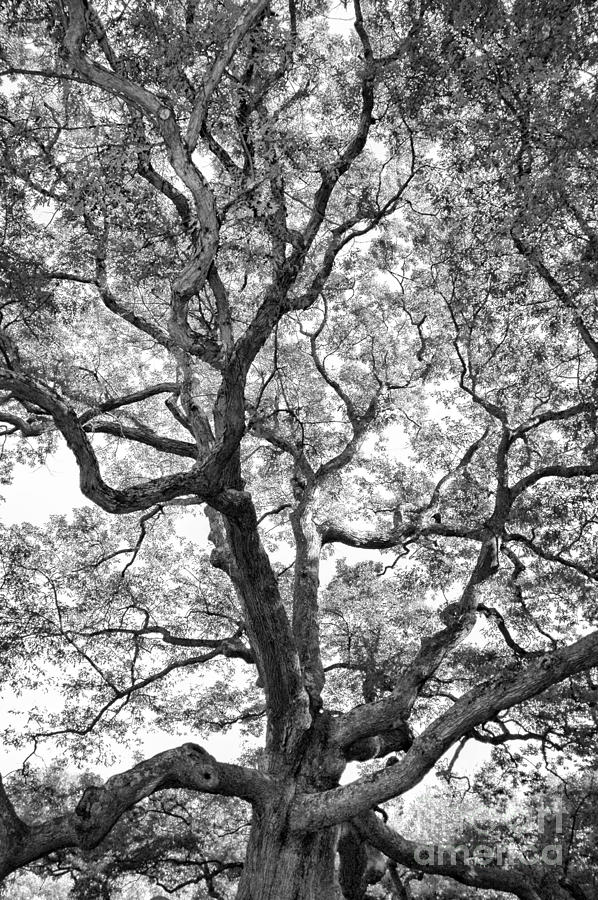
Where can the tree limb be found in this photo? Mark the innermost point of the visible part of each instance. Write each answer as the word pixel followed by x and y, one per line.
pixel 248 18
pixel 203 481
pixel 100 807
pixel 405 852
pixel 167 387
pixel 481 704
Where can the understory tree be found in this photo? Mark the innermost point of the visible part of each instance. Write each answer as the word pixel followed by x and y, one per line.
pixel 315 284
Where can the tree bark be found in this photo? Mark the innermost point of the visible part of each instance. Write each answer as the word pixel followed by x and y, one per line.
pixel 284 865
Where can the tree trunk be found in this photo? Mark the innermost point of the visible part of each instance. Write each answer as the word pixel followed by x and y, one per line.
pixel 285 864
pixel 282 865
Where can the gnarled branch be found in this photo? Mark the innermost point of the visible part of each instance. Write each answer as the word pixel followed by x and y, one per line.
pixel 100 807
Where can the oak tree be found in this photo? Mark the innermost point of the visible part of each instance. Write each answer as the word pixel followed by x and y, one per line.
pixel 335 286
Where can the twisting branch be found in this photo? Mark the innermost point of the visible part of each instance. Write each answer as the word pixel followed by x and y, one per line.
pixel 405 852
pixel 205 236
pixel 479 705
pixel 201 481
pixel 188 767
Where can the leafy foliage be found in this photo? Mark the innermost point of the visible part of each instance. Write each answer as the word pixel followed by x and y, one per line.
pixel 328 273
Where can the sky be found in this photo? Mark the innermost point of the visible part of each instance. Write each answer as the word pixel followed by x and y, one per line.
pixel 38 493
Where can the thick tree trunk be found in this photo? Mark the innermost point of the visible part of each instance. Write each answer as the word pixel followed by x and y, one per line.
pixel 290 864
pixel 283 865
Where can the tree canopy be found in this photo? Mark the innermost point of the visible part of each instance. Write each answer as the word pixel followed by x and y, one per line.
pixel 308 291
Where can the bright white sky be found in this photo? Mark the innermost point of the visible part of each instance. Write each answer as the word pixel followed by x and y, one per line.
pixel 38 493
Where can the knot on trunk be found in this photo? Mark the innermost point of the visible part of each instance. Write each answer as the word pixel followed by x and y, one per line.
pixel 202 768
pixel 92 797
pixel 399 738
pixel 360 864
pixel 364 748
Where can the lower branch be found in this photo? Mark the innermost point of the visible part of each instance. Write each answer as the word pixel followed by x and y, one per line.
pixel 100 807
pixel 392 712
pixel 405 852
pixel 481 704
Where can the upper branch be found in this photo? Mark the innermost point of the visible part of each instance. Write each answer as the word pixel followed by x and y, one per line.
pixel 551 415
pixel 145 436
pixel 334 532
pixel 206 235
pixel 231 647
pixel 95 74
pixel 37 425
pixel 248 18
pixel 359 422
pixel 230 402
pixel 536 261
pixel 582 470
pixel 552 557
pixel 353 536
pixel 203 481
pixel 115 306
pixel 468 370
pixel 168 387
